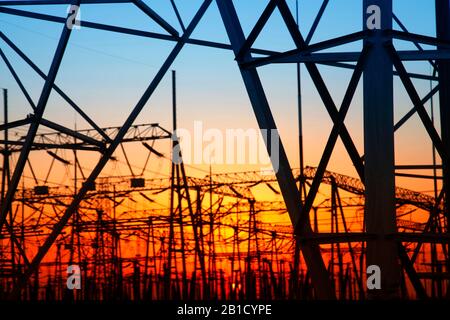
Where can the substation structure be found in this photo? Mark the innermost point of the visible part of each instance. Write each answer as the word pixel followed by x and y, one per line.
pixel 215 240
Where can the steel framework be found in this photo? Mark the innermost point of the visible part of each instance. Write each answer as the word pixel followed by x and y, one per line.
pixel 375 62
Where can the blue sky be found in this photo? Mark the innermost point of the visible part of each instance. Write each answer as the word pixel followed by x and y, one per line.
pixel 105 73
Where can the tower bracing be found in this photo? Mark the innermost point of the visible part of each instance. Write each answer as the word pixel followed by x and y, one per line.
pixel 96 197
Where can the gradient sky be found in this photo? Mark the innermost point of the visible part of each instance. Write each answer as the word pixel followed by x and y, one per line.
pixel 105 73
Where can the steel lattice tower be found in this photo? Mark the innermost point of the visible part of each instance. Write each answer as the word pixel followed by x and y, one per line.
pixel 374 63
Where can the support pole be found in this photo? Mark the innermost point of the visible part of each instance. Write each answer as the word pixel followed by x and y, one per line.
pixel 6 177
pixel 443 33
pixel 5 181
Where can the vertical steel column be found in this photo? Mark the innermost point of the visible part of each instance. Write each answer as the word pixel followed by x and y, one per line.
pixel 5 171
pixel 379 153
pixel 261 108
pixel 6 177
pixel 301 182
pixel 443 33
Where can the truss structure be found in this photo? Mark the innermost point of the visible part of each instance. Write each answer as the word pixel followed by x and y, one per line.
pixel 374 63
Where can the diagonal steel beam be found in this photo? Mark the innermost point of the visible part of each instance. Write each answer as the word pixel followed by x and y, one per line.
pixel 265 17
pixel 261 108
pixel 44 122
pixel 302 56
pixel 32 131
pixel 111 148
pixel 411 272
pixel 177 13
pixel 316 21
pixel 416 44
pixel 54 86
pixel 418 38
pixel 18 81
pixel 45 146
pixel 70 132
pixel 344 65
pixel 17 243
pixel 433 212
pixel 307 49
pixel 418 105
pixel 411 112
pixel 53 2
pixel 155 17
pixel 122 30
pixel 332 139
pixel 322 89
pixel 257 29
pixel 15 124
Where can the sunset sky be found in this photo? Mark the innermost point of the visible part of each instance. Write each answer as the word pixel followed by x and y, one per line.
pixel 105 73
